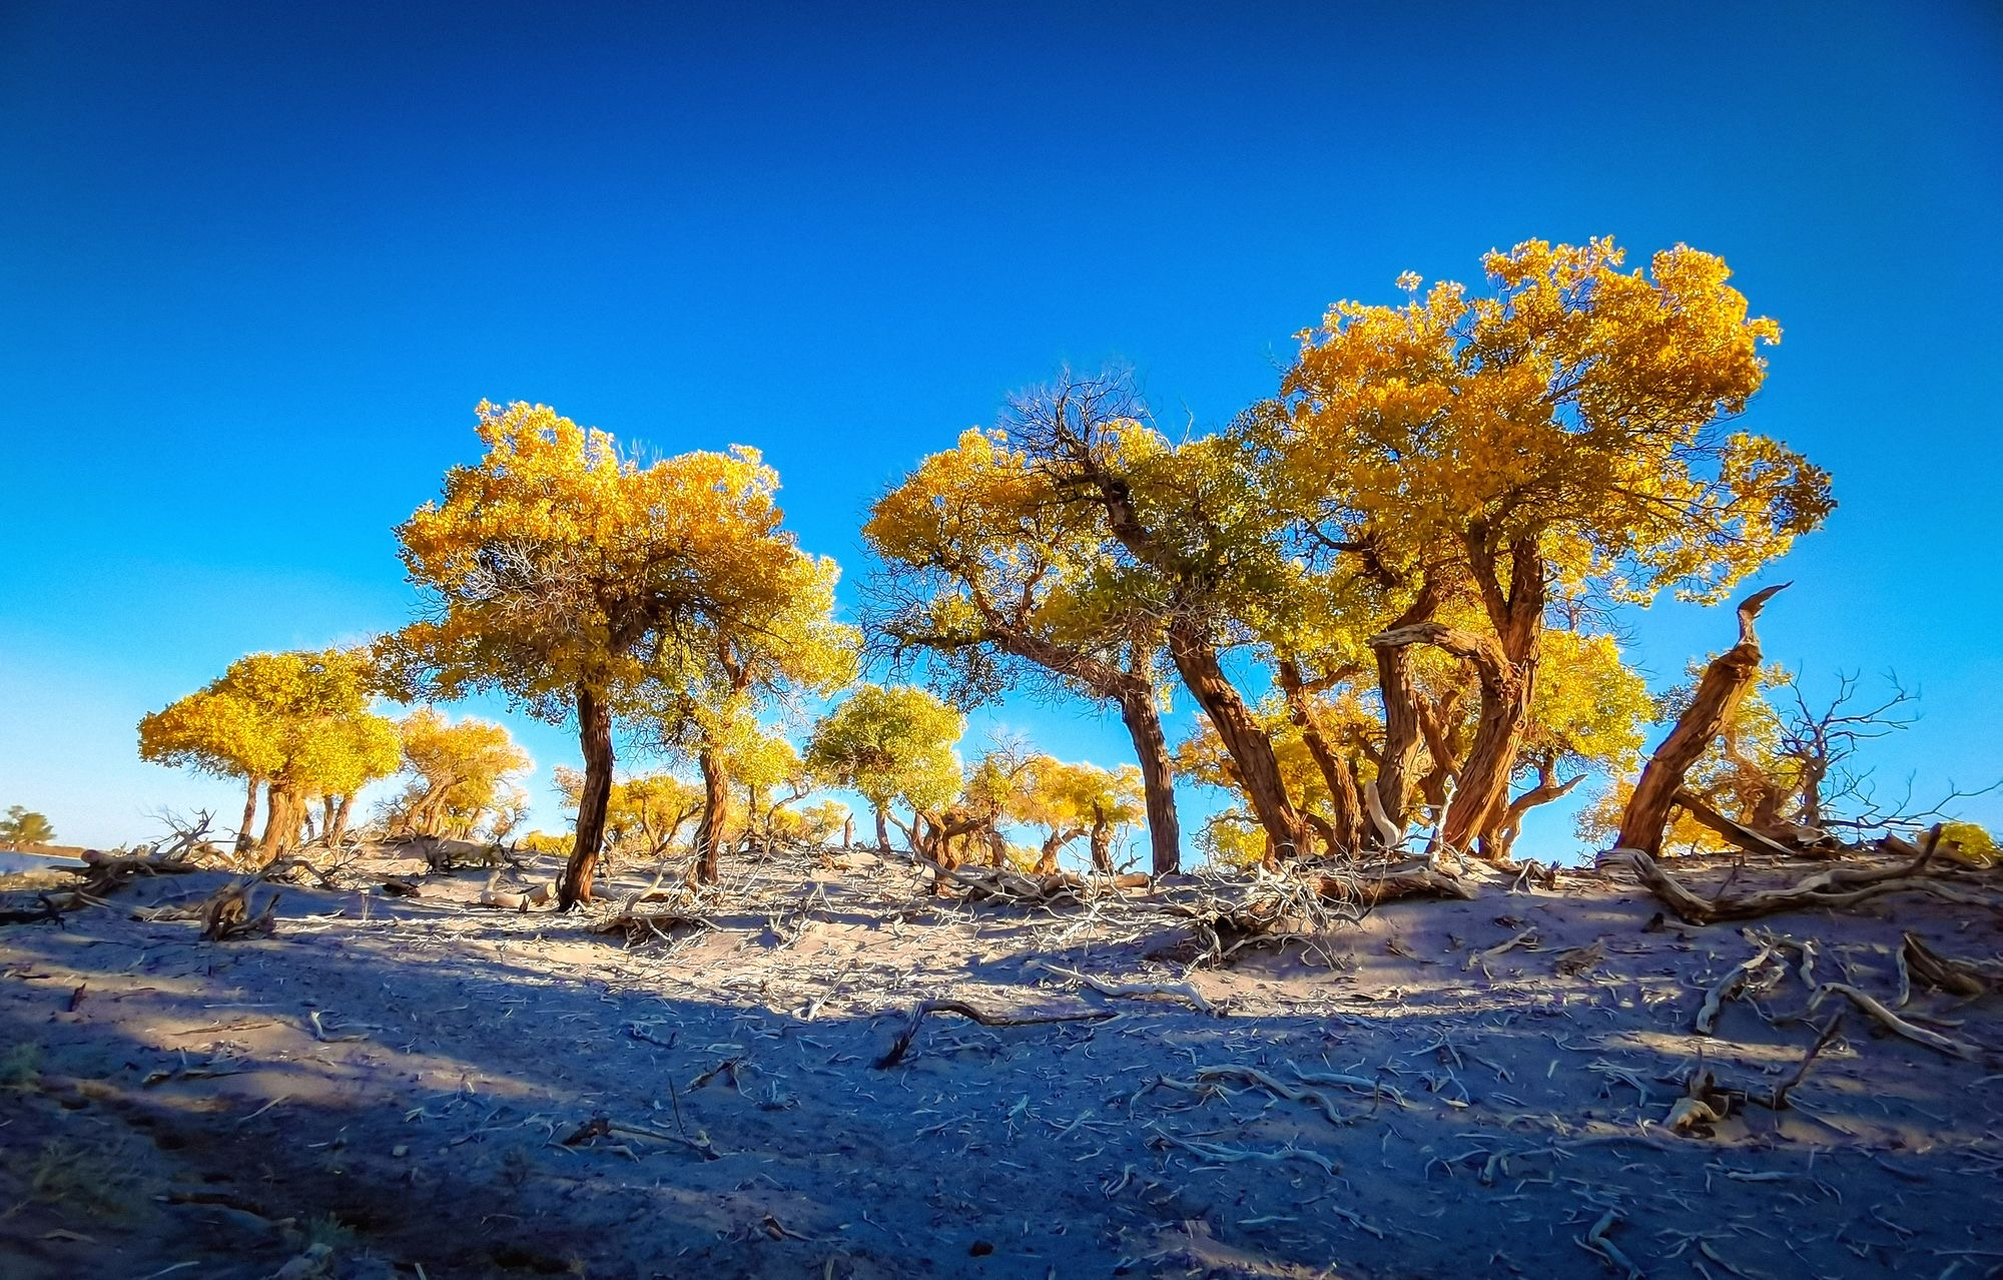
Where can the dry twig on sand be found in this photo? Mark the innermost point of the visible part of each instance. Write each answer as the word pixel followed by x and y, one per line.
pixel 1893 1022
pixel 900 1046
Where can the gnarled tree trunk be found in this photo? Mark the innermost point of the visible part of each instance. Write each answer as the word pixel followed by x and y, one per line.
pixel 1102 840
pixel 1343 833
pixel 243 836
pixel 594 735
pixel 715 812
pixel 1719 691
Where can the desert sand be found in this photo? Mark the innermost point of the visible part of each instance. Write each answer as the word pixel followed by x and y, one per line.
pixel 389 1086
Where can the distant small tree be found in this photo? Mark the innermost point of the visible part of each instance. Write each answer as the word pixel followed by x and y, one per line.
pixel 461 774
pixel 24 826
pixel 891 745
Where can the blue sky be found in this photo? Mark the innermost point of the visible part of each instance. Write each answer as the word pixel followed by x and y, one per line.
pixel 258 263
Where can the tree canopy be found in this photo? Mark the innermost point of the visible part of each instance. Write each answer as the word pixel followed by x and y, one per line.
pixel 578 582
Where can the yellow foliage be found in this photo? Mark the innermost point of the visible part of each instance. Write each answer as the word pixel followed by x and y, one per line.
pixel 1578 406
pixel 557 565
pixel 299 720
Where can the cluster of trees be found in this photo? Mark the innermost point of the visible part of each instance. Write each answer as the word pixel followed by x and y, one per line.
pixel 1389 590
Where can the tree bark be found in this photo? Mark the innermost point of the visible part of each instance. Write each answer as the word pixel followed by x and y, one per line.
pixel 594 735
pixel 243 836
pixel 883 828
pixel 1046 862
pixel 1719 691
pixel 1143 720
pixel 1102 840
pixel 715 812
pixel 1403 731
pixel 282 810
pixel 1250 749
pixel 338 827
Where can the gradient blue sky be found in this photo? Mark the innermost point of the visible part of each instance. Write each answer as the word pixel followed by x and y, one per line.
pixel 258 262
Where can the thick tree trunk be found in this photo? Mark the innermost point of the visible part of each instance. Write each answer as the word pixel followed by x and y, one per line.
pixel 1723 684
pixel 715 812
pixel 243 836
pixel 327 818
pixel 997 847
pixel 848 832
pixel 1046 861
pixel 1143 720
pixel 1246 742
pixel 282 811
pixel 1102 840
pixel 594 735
pixel 883 828
pixel 337 828
pixel 1506 666
pixel 1343 834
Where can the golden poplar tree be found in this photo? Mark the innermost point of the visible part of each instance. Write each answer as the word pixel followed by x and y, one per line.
pixel 1565 436
pixel 579 583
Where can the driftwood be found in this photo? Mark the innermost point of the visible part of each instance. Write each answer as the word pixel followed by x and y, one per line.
pixel 902 1045
pixel 1832 889
pixel 1723 684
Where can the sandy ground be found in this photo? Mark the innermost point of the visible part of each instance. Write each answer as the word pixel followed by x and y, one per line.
pixel 397 1079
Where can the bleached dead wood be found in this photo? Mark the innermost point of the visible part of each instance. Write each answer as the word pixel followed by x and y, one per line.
pixel 1732 984
pixel 1132 990
pixel 1892 1022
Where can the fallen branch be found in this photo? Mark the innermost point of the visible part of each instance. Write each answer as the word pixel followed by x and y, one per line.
pixel 1893 1022
pixel 1139 990
pixel 1956 977
pixel 227 914
pixel 1827 890
pixel 898 1048
pixel 1523 939
pixel 1733 983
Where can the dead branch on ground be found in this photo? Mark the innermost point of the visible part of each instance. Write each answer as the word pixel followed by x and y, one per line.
pixel 900 1046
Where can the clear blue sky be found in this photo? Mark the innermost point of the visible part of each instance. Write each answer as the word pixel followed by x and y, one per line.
pixel 258 262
